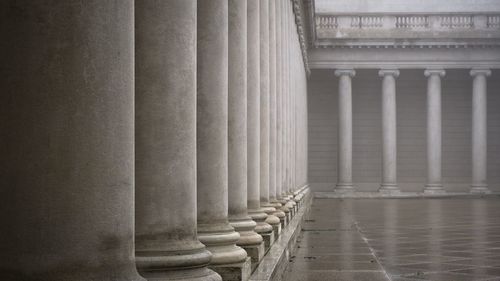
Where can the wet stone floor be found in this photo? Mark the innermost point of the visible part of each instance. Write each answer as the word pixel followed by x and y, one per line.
pixel 449 239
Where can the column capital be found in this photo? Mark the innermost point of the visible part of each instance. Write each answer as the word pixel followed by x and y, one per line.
pixel 480 71
pixel 429 72
pixel 340 72
pixel 385 72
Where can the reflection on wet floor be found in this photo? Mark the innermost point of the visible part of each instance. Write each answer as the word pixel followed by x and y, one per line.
pixel 399 239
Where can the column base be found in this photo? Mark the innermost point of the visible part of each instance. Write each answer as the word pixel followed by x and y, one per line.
pixel 250 241
pixel 344 188
pixel 196 274
pixel 220 240
pixel 183 260
pixel 234 272
pixel 389 189
pixel 262 228
pixel 480 189
pixel 434 189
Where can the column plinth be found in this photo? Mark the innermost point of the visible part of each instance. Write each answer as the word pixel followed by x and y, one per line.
pixel 344 181
pixel 214 229
pixel 479 131
pixel 389 136
pixel 434 180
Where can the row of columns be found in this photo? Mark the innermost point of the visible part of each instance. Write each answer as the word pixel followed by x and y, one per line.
pixel 434 183
pixel 198 105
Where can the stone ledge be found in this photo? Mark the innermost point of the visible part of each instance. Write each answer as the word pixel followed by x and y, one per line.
pixel 275 261
pixel 400 195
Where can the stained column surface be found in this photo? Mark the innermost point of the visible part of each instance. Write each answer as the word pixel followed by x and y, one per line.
pixel 237 130
pixel 434 180
pixel 279 101
pixel 264 100
pixel 212 134
pixel 389 136
pixel 479 131
pixel 272 101
pixel 253 118
pixel 167 246
pixel 67 149
pixel 344 181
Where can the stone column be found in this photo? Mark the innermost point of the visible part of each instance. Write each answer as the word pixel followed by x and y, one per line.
pixel 253 124
pixel 212 139
pixel 279 109
pixel 67 144
pixel 165 140
pixel 237 146
pixel 167 246
pixel 273 49
pixel 434 184
pixel 389 136
pixel 344 181
pixel 264 117
pixel 479 131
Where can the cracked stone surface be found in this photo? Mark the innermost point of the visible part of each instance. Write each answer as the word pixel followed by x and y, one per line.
pixel 448 239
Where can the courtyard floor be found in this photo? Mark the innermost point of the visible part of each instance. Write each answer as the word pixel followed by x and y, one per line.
pixel 450 239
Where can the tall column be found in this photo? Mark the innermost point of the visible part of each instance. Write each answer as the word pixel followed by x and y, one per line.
pixel 286 93
pixel 167 246
pixel 212 137
pixel 264 117
pixel 434 182
pixel 389 137
pixel 344 181
pixel 67 144
pixel 272 101
pixel 479 131
pixel 237 146
pixel 279 108
pixel 253 123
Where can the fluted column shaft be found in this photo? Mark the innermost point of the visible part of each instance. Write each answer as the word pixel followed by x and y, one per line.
pixel 434 180
pixel 389 136
pixel 212 134
pixel 479 131
pixel 344 181
pixel 67 144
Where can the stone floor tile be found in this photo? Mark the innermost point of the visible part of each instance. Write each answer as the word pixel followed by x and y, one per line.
pixel 407 239
pixel 336 276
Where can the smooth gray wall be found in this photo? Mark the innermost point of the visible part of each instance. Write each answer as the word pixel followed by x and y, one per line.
pixel 411 110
